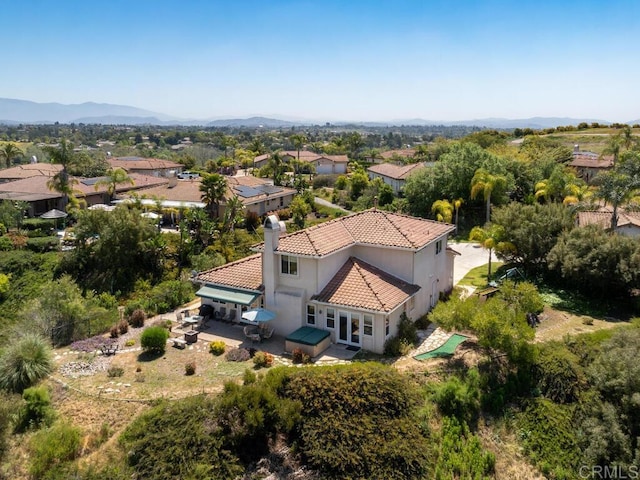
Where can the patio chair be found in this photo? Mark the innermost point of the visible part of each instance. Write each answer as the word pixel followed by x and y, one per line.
pixel 266 332
pixel 231 318
pixel 252 334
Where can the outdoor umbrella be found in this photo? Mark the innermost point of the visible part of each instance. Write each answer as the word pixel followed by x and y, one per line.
pixel 258 315
pixel 54 214
pixel 150 215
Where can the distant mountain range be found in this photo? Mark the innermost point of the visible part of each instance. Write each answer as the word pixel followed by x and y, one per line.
pixel 14 111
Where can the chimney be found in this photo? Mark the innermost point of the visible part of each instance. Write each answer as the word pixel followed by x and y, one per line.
pixel 273 229
pixel 576 148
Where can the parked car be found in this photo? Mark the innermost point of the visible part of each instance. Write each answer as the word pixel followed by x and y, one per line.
pixel 187 175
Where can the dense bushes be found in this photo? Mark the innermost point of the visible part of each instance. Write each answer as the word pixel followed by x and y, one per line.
pixel 36 410
pixel 43 244
pixel 404 341
pixel 458 398
pixel 24 363
pixel 52 449
pixel 164 297
pixel 154 340
pixel 558 374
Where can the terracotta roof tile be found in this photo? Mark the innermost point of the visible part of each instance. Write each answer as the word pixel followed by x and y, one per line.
pixel 370 227
pixel 244 273
pixel 589 161
pixel 361 285
pixel 398 172
pixel 603 218
pixel 139 163
pixel 30 170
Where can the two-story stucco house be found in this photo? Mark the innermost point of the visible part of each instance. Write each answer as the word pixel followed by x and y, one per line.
pixel 352 277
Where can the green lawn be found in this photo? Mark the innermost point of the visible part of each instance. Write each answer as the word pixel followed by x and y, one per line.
pixel 477 277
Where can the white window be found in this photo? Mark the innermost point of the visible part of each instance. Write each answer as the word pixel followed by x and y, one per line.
pixel 386 326
pixel 412 303
pixel 289 265
pixel 368 325
pixel 438 246
pixel 311 314
pixel 331 318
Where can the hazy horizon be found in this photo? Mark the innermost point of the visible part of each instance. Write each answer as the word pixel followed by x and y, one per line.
pixel 360 61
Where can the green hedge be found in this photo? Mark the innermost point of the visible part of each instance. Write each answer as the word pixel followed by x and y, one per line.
pixel 43 244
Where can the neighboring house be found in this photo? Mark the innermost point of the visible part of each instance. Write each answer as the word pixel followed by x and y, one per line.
pixel 589 164
pixel 394 175
pixel 20 172
pixel 154 167
pixel 257 195
pixel 352 277
pixel 35 191
pixel 322 164
pixel 628 222
pixel 391 155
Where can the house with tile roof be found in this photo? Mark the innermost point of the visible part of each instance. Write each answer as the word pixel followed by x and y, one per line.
pixel 394 175
pixel 352 277
pixel 589 164
pixel 154 167
pixel 628 222
pixel 256 194
pixel 321 163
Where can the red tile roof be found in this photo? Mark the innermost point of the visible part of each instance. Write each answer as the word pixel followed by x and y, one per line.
pixel 397 172
pixel 589 161
pixel 245 273
pixel 138 163
pixel 602 218
pixel 30 170
pixel 361 285
pixel 370 227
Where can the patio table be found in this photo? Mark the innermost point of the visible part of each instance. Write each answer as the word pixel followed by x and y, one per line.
pixel 192 321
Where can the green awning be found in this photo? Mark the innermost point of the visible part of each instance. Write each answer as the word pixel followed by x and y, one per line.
pixel 228 295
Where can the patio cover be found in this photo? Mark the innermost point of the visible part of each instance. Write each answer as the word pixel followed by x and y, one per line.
pixel 228 295
pixel 54 214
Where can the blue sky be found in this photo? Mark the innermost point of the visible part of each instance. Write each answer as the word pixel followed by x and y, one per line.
pixel 328 60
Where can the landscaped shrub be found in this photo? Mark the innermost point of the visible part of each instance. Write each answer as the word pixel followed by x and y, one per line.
pixel 238 355
pixel 137 318
pixel 262 359
pixel 123 327
pixel 164 323
pixel 43 244
pixel 25 362
pixel 115 372
pixel 458 398
pixel 154 339
pixel 251 221
pixel 36 411
pixel 217 348
pixel 320 181
pixel 396 346
pixel 51 450
pixel 88 345
pixel 296 355
pixel 190 368
pixel 249 377
pixel 114 332
pixel 130 343
pixel 38 224
pixel 558 373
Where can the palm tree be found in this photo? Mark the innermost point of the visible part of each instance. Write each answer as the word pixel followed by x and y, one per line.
pixel 233 213
pixel 61 182
pixel 486 183
pixel 9 152
pixel 443 210
pixel 614 188
pixel 275 162
pixel 614 145
pixel 114 177
pixel 457 203
pixel 490 237
pixel 298 140
pixel 213 189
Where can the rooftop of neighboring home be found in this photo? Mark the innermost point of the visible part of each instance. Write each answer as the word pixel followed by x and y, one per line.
pixel 405 153
pixel 396 172
pixel 305 156
pixel 370 227
pixel 36 188
pixel 248 188
pixel 29 170
pixel 602 218
pixel 591 160
pixel 139 163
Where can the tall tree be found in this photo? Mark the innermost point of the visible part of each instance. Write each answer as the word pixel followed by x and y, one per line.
pixel 233 213
pixel 275 163
pixel 457 203
pixel 115 177
pixel 490 237
pixel 486 183
pixel 61 182
pixel 213 189
pixel 298 140
pixel 9 152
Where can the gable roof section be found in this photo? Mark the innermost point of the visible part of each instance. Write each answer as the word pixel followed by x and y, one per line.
pixel 139 163
pixel 370 227
pixel 602 218
pixel 397 172
pixel 245 273
pixel 589 161
pixel 30 170
pixel 361 285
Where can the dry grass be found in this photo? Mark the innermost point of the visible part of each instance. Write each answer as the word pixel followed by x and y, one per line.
pixel 555 324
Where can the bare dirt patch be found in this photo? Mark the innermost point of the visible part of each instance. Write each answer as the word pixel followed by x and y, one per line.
pixel 555 324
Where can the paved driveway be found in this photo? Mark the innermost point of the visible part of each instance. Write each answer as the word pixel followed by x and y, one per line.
pixel 472 255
